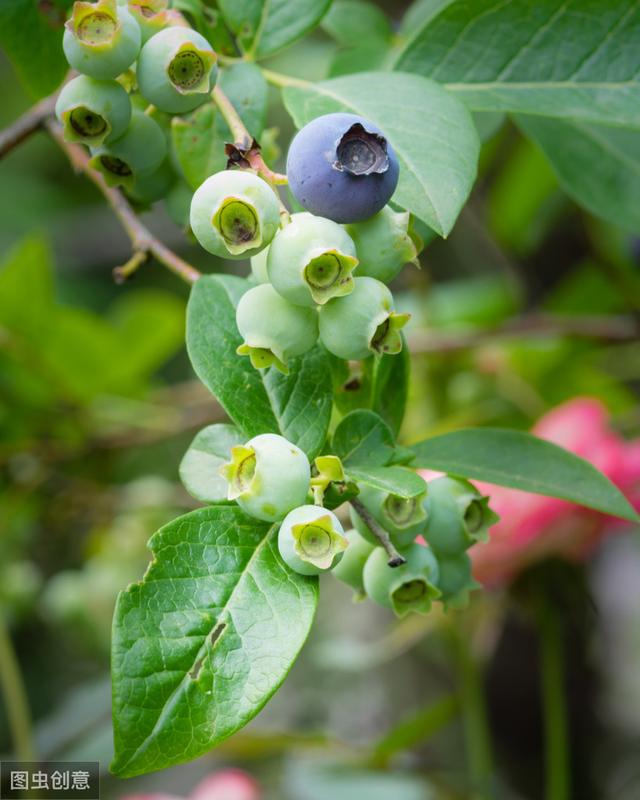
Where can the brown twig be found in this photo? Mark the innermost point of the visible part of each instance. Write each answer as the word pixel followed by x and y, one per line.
pixel 144 243
pixel 30 122
pixel 395 559
pixel 244 141
pixel 538 326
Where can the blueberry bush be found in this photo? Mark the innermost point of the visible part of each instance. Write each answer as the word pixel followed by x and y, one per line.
pixel 158 101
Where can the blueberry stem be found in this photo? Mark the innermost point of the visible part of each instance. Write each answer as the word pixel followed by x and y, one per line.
pixel 282 81
pixel 144 243
pixel 30 122
pixel 395 559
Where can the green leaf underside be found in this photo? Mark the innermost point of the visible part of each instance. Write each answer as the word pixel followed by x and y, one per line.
pixel 522 461
pixel 394 480
pixel 297 405
pixel 597 165
pixel 199 469
pixel 363 438
pixel 263 27
pixel 431 132
pixel 207 637
pixel 563 58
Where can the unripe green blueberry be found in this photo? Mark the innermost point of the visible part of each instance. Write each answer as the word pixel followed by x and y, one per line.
pixel 101 39
pixel 362 323
pixel 259 266
pixel 456 581
pixel 177 70
pixel 140 150
pixel 92 111
pixel 150 187
pixel 268 476
pixel 402 518
pixel 311 540
pixel 311 260
pixel 273 329
pixel 409 587
pixel 384 244
pixel 234 214
pixel 458 516
pixel 349 569
pixel 153 16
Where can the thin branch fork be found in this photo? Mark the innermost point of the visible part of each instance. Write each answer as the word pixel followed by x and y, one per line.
pixel 144 243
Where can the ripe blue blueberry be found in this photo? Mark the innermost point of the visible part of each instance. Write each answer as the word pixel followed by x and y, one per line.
pixel 409 587
pixel 342 167
pixel 311 540
pixel 92 111
pixel 101 39
pixel 362 323
pixel 234 214
pixel 458 516
pixel 176 70
pixel 273 329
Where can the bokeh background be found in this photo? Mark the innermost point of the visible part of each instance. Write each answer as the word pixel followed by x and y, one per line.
pixel 530 304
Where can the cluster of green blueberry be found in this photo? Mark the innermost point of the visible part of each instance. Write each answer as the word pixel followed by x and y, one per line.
pixel 139 63
pixel 271 479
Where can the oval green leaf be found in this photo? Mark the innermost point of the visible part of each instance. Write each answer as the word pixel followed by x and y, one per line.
pixel 363 438
pixel 522 461
pixel 199 469
pixel 205 639
pixel 394 480
pixel 297 405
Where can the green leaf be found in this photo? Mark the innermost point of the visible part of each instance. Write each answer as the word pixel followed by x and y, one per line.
pixel 263 27
pixel 198 138
pixel 522 461
pixel 26 287
pixel 363 438
pixel 31 35
pixel 596 165
pixel 205 639
pixel 350 22
pixel 432 133
pixel 561 58
pixel 394 480
pixel 199 469
pixel 297 405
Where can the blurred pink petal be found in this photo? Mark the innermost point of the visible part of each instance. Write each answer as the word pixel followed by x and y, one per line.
pixel 228 784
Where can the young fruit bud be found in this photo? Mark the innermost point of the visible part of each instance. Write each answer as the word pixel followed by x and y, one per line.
pixel 234 214
pixel 341 166
pixel 407 588
pixel 349 570
pixel 101 39
pixel 311 540
pixel 456 581
pixel 362 323
pixel 259 266
pixel 402 518
pixel 139 151
pixel 458 516
pixel 384 244
pixel 268 476
pixel 92 111
pixel 177 70
pixel 273 329
pixel 311 260
pixel 154 15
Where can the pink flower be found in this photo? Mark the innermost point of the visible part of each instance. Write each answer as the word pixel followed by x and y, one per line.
pixel 533 527
pixel 228 784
